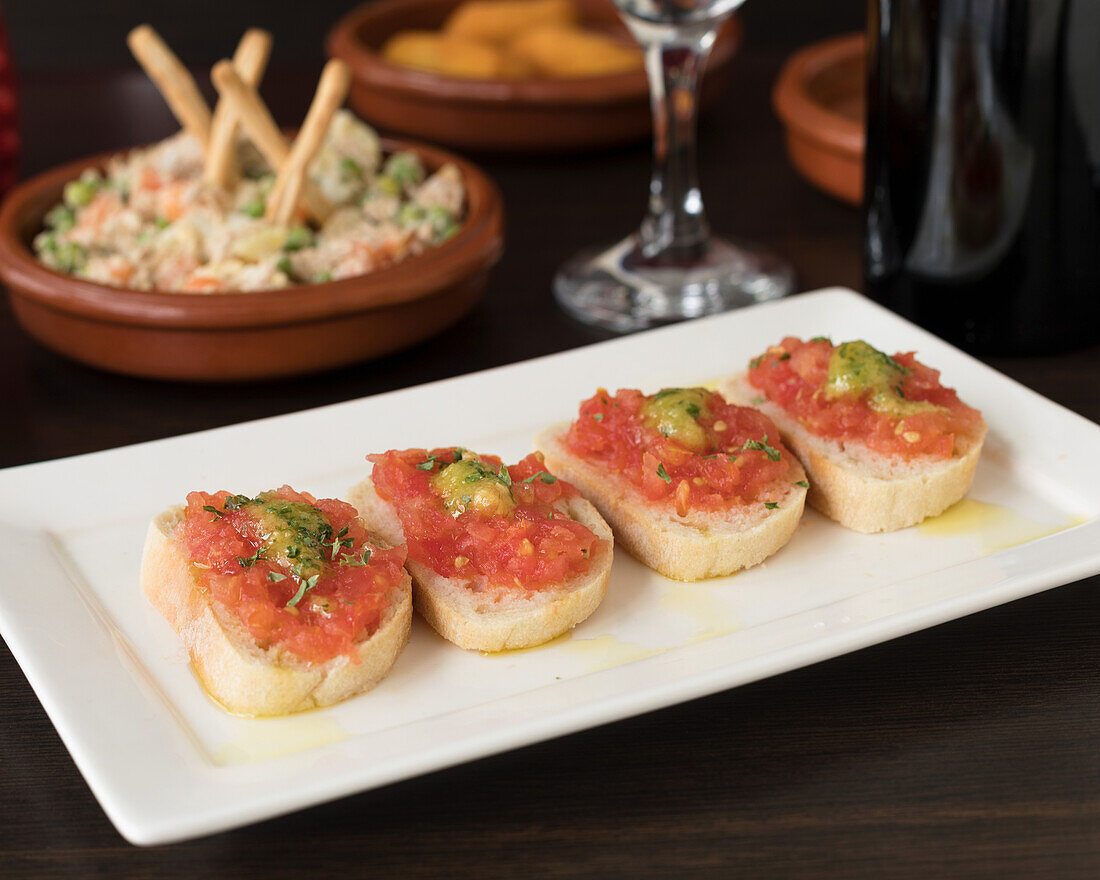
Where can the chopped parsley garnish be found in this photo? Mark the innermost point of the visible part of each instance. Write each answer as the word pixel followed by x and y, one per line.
pixel 549 479
pixel 771 505
pixel 893 363
pixel 210 509
pixel 598 416
pixel 337 542
pixel 505 477
pixel 307 584
pixel 248 562
pixel 296 536
pixel 756 401
pixel 822 339
pixel 802 483
pixel 662 473
pixel 755 362
pixel 771 452
pixel 232 502
pixel 352 560
pixel 786 356
pixel 428 463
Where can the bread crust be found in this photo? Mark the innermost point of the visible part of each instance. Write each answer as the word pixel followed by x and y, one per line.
pixel 484 619
pixel 237 673
pixel 692 548
pixel 863 490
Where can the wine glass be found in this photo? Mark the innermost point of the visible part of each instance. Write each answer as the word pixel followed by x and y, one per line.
pixel 672 268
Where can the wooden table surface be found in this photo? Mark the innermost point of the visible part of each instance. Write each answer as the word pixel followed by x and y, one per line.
pixel 967 750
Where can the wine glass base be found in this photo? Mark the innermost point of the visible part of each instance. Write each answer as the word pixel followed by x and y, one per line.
pixel 618 289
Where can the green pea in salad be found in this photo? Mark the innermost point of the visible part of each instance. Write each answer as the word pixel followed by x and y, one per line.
pixel 153 222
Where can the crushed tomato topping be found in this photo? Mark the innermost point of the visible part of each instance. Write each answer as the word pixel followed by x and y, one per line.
pixel 706 454
pixel 297 571
pixel 523 540
pixel 796 376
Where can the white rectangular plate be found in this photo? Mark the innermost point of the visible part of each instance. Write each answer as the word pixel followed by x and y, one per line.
pixel 167 764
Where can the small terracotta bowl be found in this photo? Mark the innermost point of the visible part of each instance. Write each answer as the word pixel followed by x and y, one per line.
pixel 499 115
pixel 260 335
pixel 820 98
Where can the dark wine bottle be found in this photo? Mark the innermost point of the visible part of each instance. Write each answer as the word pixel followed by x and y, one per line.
pixel 982 173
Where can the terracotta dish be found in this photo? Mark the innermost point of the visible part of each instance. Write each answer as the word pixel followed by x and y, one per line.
pixel 235 336
pixel 819 96
pixel 499 115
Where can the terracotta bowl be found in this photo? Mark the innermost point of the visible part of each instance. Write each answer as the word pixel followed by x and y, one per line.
pixel 498 115
pixel 258 335
pixel 820 98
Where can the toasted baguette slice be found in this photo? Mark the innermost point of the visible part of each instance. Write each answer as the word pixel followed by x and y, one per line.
pixel 861 489
pixel 236 672
pixel 487 619
pixel 692 548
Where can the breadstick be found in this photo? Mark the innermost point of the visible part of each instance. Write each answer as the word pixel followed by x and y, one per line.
pixel 256 120
pixel 172 79
pixel 249 61
pixel 332 89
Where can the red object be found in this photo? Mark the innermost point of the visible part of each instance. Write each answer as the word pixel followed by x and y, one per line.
pixel 742 453
pixel 793 375
pixel 533 546
pixel 10 142
pixel 225 544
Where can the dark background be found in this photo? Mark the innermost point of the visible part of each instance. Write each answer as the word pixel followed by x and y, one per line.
pixel 84 33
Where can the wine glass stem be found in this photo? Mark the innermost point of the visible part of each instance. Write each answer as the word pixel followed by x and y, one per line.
pixel 675 226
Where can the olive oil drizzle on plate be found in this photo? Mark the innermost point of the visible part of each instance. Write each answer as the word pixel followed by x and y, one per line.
pixel 994 526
